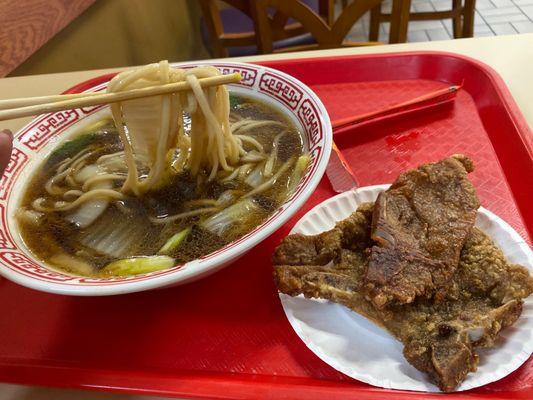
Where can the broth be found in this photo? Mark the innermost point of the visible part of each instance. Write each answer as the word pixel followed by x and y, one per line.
pixel 146 225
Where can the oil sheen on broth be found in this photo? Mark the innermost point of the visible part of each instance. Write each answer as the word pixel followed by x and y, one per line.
pixel 210 213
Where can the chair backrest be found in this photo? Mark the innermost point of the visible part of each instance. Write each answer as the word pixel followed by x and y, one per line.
pixel 325 35
pixel 276 22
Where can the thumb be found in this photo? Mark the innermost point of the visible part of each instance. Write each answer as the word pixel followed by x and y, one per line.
pixel 6 144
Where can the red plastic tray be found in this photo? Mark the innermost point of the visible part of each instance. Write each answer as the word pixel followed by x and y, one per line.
pixel 226 336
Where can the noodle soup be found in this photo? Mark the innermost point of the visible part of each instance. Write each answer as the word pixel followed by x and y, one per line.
pixel 75 217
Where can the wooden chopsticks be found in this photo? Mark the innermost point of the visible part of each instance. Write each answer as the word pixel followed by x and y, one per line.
pixel 23 107
pixel 427 99
pixel 339 172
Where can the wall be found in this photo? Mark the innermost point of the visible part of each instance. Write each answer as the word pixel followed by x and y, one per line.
pixel 114 33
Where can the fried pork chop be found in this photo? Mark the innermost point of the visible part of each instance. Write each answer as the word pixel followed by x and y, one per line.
pixel 420 225
pixel 440 337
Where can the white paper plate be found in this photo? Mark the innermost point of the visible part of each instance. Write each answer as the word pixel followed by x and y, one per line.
pixel 356 347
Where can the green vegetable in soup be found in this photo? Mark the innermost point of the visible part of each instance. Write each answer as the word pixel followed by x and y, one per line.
pixel 298 172
pixel 139 265
pixel 175 241
pixel 237 217
pixel 234 101
pixel 70 148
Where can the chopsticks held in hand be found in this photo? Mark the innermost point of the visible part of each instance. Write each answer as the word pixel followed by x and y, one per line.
pixel 23 107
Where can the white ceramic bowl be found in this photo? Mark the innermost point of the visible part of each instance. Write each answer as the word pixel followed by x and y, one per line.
pixel 35 141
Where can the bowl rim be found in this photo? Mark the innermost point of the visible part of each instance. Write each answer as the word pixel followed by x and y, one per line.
pixel 218 259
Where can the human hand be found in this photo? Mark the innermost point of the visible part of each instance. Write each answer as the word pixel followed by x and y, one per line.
pixel 6 145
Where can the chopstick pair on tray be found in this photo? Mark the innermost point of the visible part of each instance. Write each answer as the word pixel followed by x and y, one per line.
pixel 340 175
pixel 24 107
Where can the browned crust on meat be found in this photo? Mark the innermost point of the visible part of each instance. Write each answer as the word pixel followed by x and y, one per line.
pixel 419 225
pixel 440 338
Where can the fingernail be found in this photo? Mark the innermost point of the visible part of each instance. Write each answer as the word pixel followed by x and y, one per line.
pixel 8 133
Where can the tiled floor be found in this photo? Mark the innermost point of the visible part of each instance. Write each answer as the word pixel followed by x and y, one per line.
pixel 493 17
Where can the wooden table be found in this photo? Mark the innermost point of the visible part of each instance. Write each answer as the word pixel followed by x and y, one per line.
pixel 511 56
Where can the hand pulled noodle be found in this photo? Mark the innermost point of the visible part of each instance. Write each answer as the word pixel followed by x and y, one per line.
pixel 151 127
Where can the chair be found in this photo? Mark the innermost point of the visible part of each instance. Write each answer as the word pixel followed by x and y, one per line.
pixel 278 19
pixel 461 15
pixel 230 31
